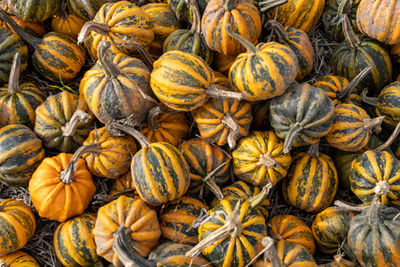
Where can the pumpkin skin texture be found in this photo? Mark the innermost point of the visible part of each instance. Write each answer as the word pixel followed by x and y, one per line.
pixel 74 242
pixel 376 174
pixel 388 104
pixel 35 28
pixel 54 115
pixel 292 229
pixel 184 11
pixel 68 24
pixel 123 184
pixel 114 156
pixel 33 10
pixel 243 17
pixel 258 159
pixel 160 163
pixel 380 20
pixel 21 152
pixel 10 44
pixel 19 259
pixel 314 121
pixel 330 228
pixel 129 213
pixel 78 7
pixel 374 239
pixel 56 200
pixel 222 63
pixel 17 225
pixel 177 217
pixel 312 181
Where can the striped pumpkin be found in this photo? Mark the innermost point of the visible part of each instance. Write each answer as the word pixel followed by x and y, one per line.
pixel 33 10
pixel 258 159
pixel 243 17
pixel 183 10
pixel 173 255
pixel 312 181
pixel 10 44
pixel 19 259
pixel 66 23
pixel 330 228
pixel 222 63
pixel 34 28
pixel 114 154
pixel 74 242
pixel 122 184
pixel 119 23
pixel 18 102
pixel 126 213
pixel 302 115
pixel 21 152
pixel 300 44
pixel 292 229
pixel 160 164
pixel 17 225
pixel 339 261
pixel 376 174
pixel 79 8
pixel 388 104
pixel 352 128
pixel 205 159
pixel 59 123
pixel 113 88
pixel 177 217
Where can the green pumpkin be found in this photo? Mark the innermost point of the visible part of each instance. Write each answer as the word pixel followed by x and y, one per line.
pixel 183 11
pixel 33 10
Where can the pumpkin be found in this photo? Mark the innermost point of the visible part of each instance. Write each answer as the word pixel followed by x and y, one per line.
pixel 18 259
pixel 183 10
pixel 10 44
pixel 21 152
pixel 300 44
pixel 66 23
pixel 122 184
pixel 358 52
pixel 62 187
pixel 173 255
pixel 265 71
pixel 113 155
pixel 18 102
pixel 35 28
pixel 209 166
pixel 17 225
pixel 302 115
pixel 330 228
pixel 395 52
pixel 374 236
pixel 312 181
pixel 74 242
pixel 177 218
pixel 61 121
pixel 119 23
pixel 163 125
pixel 222 63
pixel 131 218
pixel 86 9
pixel 292 229
pixel 33 10
pixel 352 128
pixel 243 17
pixel 259 159
pixel 370 22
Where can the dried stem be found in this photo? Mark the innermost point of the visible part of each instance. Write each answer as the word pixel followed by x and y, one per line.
pixel 313 151
pixel 100 28
pixel 210 182
pixel 260 197
pixel 266 5
pixel 349 206
pixel 348 32
pixel 69 129
pixel 267 161
pixel 251 48
pixel 215 92
pixel 373 101
pixel 148 59
pixel 279 29
pixel 144 142
pixel 292 134
pixel 391 139
pixel 369 124
pixel 230 122
pixel 354 83
pixel 13 82
pixel 111 70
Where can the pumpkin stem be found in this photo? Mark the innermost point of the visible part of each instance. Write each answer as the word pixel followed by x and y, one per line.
pixel 70 127
pixel 88 8
pixel 26 37
pixel 13 82
pixel 349 206
pixel 348 32
pixel 382 188
pixel 269 251
pixel 100 28
pixel 229 5
pixel 232 224
pixel 313 151
pixel 215 92
pixel 67 175
pixel 153 116
pixel 260 197
pixel 196 24
pixel 116 127
pixel 374 123
pixel 283 36
pixel 251 48
pixel 128 43
pixel 267 161
pixel 270 4
pixel 343 95
pixel 391 139
pixel 62 11
pixel 110 69
pixel 3 264
pixel 292 134
pixel 125 253
pixel 373 211
pixel 341 261
pixel 373 101
pixel 211 184
pixel 230 122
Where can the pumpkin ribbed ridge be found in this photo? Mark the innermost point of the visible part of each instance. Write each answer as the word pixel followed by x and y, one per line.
pixel 78 7
pixel 172 254
pixel 33 10
pixel 19 258
pixel 388 104
pixel 334 86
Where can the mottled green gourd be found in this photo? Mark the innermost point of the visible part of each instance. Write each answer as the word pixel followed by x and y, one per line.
pixel 33 10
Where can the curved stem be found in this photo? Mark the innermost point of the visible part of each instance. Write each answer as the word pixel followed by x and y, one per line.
pixel 230 122
pixel 251 48
pixel 391 139
pixel 100 28
pixel 148 59
pixel 267 161
pixel 211 184
pixel 279 30
pixel 67 175
pixel 342 5
pixel 110 69
pixel 354 83
pixel 229 5
pixel 292 134
pixel 13 81
pixel 369 124
pixel 152 118
pixel 342 261
pixel 373 101
pixel 26 37
pixel 349 206
pixel 88 8
pixel 270 4
pixel 313 151
pixel 373 211
pixel 215 92
pixel 348 32
pixel 144 142
pixel 70 127
pixel 260 197
pixel 196 24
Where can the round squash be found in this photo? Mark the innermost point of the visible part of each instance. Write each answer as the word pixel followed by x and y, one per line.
pixel 21 152
pixel 122 184
pixel 183 10
pixel 86 9
pixel 74 242
pixel 66 23
pixel 62 122
pixel 259 159
pixel 18 259
pixel 62 186
pixel 222 63
pixel 33 10
pixel 312 181
pixel 302 115
pixel 34 28
pixel 177 218
pixel 173 255
pixel 18 102
pixel 17 225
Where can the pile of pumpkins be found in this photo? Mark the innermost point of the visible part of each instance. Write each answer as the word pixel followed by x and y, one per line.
pixel 195 110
